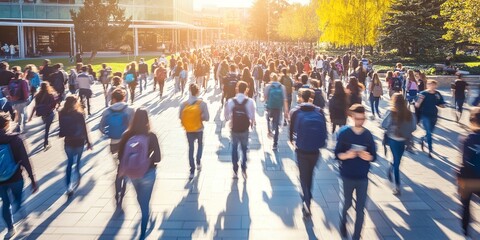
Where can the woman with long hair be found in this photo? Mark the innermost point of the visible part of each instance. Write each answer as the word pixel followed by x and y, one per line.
pixel 412 87
pixel 355 89
pixel 140 129
pixel 247 77
pixel 131 78
pixel 45 102
pixel 399 124
pixel 31 74
pixel 74 128
pixel 338 106
pixel 376 92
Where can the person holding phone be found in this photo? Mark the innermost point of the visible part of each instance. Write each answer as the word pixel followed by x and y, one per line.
pixel 355 150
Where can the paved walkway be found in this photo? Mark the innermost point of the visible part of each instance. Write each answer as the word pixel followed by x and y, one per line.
pixel 214 206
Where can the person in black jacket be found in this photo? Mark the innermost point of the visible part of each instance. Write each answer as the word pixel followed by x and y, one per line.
pixel 338 106
pixel 469 173
pixel 140 125
pixel 45 102
pixel 14 185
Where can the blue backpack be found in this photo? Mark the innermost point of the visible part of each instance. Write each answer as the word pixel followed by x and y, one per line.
pixel 311 130
pixel 275 96
pixel 129 78
pixel 35 81
pixel 8 166
pixel 116 123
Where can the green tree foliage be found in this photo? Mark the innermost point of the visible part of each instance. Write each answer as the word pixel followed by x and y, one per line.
pixel 264 18
pixel 350 22
pixel 462 21
pixel 298 23
pixel 98 23
pixel 413 26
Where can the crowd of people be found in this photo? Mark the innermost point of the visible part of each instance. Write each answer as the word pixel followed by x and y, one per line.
pixel 299 88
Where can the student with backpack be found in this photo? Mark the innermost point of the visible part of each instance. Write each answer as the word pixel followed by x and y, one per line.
pixel 287 82
pixel 411 87
pixel 131 79
pixel 160 75
pixel 142 74
pixel 31 74
pixel 468 176
pixel 355 149
pixel 115 121
pixel 376 92
pixel 13 160
pixel 18 97
pixel 338 106
pixel 240 111
pixel 427 103
pixel 182 76
pixel 308 128
pixel 74 129
pixel 230 83
pixel 399 124
pixel 258 75
pixel 459 91
pixel 58 79
pixel 247 77
pixel 319 96
pixel 85 82
pixel 72 81
pixel 193 112
pixel 45 102
pixel 275 99
pixel 104 78
pixel 139 153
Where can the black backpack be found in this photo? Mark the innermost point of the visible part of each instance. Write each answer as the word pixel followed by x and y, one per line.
pixel 397 84
pixel 70 125
pixel 240 119
pixel 230 85
pixel 319 100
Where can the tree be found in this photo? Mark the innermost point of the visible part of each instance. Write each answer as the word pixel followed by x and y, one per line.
pixel 350 22
pixel 413 26
pixel 462 21
pixel 264 18
pixel 98 23
pixel 298 23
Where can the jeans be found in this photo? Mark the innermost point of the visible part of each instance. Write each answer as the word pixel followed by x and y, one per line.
pixel 459 104
pixel 142 78
pixel 120 183
pixel 397 148
pixel 239 138
pixel 132 87
pixel 429 125
pixel 177 84
pixel 191 137
pixel 306 165
pixel 374 102
pixel 274 116
pixel 87 94
pixel 48 122
pixel 466 189
pixel 15 190
pixel 19 108
pixel 346 196
pixel 144 187
pixel 73 154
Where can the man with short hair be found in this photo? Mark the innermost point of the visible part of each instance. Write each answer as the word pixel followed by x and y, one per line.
pixel 46 70
pixel 230 83
pixel 355 149
pixel 459 92
pixel 115 120
pixel 275 98
pixel 58 79
pixel 85 82
pixel 240 111
pixel 193 112
pixel 142 74
pixel 309 129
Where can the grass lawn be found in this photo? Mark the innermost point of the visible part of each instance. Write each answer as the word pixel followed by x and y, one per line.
pixel 116 63
pixel 472 64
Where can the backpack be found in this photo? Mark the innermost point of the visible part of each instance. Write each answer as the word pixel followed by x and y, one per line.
pixel 230 85
pixel 8 166
pixel 161 74
pixel 287 82
pixel 70 126
pixel 339 67
pixel 258 72
pixel 135 161
pixel 240 119
pixel 311 130
pixel 275 97
pixel 43 108
pixel 15 90
pixel 35 81
pixel 319 100
pixel 191 117
pixel 129 78
pixel 59 83
pixel 116 122
pixel 72 79
pixel 397 84
pixel 377 90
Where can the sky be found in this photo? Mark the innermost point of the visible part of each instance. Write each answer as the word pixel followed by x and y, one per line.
pixel 197 4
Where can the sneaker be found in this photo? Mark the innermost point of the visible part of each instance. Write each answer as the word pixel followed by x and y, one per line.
pixel 372 117
pixel 191 175
pixel 70 190
pixel 275 148
pixel 389 174
pixel 306 211
pixel 46 147
pixel 343 230
pixel 235 175
pixel 11 232
pixel 199 166
pixel 430 155
pixel 422 144
pixel 270 134
pixel 397 192
pixel 244 173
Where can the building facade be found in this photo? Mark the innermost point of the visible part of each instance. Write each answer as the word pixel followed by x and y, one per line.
pixel 44 26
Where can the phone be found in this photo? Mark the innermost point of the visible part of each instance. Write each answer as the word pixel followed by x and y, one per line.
pixel 358 148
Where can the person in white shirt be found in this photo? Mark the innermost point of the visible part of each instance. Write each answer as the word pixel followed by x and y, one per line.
pixel 85 82
pixel 240 111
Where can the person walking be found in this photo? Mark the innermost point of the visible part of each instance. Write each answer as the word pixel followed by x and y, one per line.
pixel 105 75
pixel 308 128
pixel 193 112
pixel 31 74
pixel 376 92
pixel 230 83
pixel 139 153
pixel 114 122
pixel 14 160
pixel 74 129
pixel 287 82
pixel 468 176
pixel 85 82
pixel 355 149
pixel 427 103
pixel 240 111
pixel 354 89
pixel 247 77
pixel 338 106
pixel 459 91
pixel 142 74
pixel 411 87
pixel 18 97
pixel 275 99
pixel 45 102
pixel 257 74
pixel 131 79
pixel 160 75
pixel 399 124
